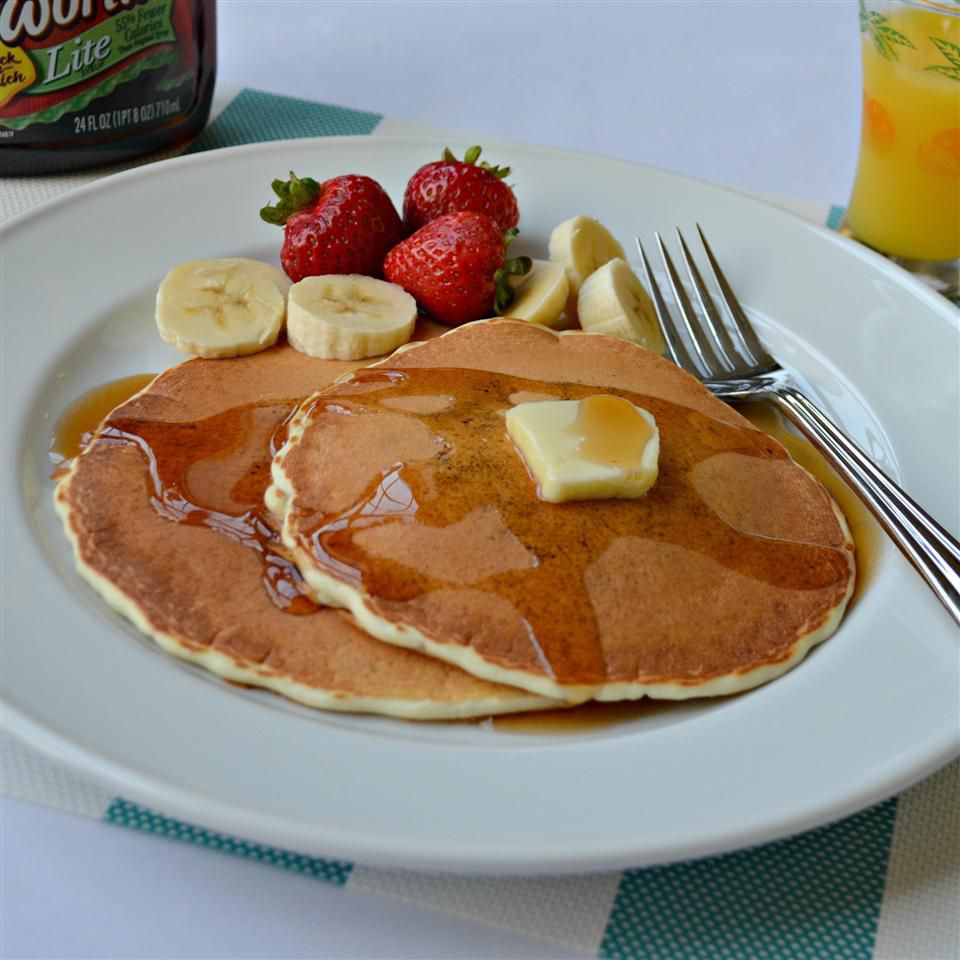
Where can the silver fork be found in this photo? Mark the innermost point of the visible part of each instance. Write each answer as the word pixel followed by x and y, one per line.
pixel 734 365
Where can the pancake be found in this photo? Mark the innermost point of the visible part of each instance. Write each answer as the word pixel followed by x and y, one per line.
pixel 164 511
pixel 404 501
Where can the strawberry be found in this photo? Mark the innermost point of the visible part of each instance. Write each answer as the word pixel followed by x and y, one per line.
pixel 450 185
pixel 456 267
pixel 343 225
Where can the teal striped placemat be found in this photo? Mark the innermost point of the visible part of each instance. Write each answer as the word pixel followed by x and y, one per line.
pixel 812 896
pixel 255 117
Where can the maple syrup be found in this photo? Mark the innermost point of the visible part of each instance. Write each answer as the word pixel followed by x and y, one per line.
pixel 210 473
pixel 227 494
pixel 213 473
pixel 76 425
pixel 868 535
pixel 554 575
pixel 869 539
pixel 586 717
pixel 611 431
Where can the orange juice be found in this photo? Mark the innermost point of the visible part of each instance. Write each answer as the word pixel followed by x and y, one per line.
pixel 906 197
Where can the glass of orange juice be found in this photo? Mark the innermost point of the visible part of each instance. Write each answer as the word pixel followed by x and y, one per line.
pixel 906 194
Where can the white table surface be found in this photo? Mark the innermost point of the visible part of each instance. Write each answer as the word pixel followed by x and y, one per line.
pixel 761 95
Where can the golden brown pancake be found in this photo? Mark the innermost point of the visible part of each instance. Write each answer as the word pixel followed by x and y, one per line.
pixel 405 501
pixel 164 510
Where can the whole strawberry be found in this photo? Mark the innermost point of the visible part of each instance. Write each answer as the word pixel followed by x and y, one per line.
pixel 343 225
pixel 456 267
pixel 450 185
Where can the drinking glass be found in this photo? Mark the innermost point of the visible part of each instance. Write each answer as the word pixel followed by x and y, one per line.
pixel 906 193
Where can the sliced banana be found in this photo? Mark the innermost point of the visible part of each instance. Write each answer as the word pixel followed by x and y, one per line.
pixel 348 316
pixel 613 301
pixel 222 308
pixel 541 295
pixel 582 245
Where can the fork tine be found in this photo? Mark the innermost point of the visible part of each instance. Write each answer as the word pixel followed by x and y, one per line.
pixel 725 347
pixel 744 327
pixel 709 362
pixel 675 345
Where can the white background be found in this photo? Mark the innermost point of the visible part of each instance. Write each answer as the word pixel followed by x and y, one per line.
pixel 761 95
pixel 764 94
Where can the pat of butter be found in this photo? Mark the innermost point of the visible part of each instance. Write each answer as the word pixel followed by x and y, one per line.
pixel 592 449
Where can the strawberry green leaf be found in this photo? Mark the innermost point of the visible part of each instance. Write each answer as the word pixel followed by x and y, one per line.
pixel 514 267
pixel 471 157
pixel 498 172
pixel 518 266
pixel 293 195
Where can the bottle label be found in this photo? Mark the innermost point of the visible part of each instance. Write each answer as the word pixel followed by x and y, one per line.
pixel 77 67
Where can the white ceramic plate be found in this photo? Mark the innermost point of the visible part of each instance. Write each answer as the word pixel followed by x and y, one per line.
pixel 871 711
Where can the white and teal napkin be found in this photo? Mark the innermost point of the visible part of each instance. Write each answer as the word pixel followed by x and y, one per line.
pixel 884 883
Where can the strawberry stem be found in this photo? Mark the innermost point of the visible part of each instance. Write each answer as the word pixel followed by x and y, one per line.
pixel 512 267
pixel 498 172
pixel 471 157
pixel 294 195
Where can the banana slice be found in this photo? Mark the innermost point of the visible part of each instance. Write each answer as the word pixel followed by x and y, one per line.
pixel 582 245
pixel 348 316
pixel 613 301
pixel 221 308
pixel 541 295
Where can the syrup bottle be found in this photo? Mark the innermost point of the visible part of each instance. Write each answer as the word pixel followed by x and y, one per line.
pixel 85 83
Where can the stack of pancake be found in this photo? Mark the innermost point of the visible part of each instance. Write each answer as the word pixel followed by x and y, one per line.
pixel 368 539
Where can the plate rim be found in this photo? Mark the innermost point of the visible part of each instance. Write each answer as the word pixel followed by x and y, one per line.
pixel 387 851
pixel 183 802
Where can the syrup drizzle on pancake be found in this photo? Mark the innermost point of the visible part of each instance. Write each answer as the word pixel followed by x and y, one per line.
pixel 198 589
pixel 418 521
pixel 213 473
pixel 77 424
pixel 870 542
pixel 610 431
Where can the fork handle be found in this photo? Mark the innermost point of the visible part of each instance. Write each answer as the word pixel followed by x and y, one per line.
pixel 933 551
